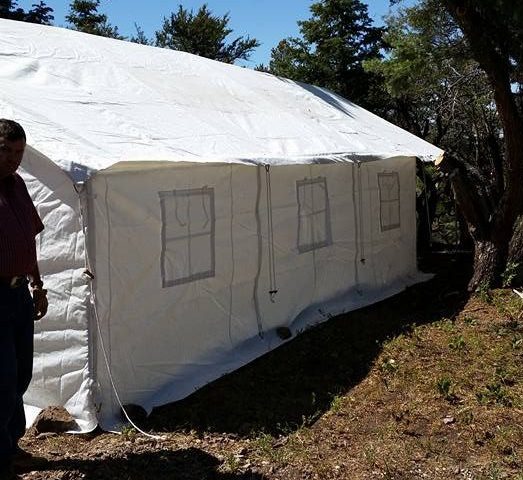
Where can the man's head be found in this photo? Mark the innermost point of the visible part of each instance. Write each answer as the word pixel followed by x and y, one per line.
pixel 12 145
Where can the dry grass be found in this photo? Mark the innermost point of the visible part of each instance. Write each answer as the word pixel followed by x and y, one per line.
pixel 428 384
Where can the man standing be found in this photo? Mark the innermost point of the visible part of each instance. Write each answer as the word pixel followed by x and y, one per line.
pixel 19 224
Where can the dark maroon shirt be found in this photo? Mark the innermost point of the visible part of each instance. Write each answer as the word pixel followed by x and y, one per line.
pixel 19 224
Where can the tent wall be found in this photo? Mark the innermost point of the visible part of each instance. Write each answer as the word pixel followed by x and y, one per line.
pixel 196 266
pixel 61 359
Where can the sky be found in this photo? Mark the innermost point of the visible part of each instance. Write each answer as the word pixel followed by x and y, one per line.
pixel 269 21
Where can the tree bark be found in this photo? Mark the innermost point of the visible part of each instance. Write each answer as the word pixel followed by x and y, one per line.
pixel 489 262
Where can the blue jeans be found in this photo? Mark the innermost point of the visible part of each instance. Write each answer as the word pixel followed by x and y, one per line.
pixel 16 364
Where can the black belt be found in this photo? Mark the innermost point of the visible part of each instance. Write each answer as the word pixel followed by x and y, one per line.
pixel 14 282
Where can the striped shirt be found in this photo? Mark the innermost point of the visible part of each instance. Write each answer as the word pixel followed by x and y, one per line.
pixel 19 224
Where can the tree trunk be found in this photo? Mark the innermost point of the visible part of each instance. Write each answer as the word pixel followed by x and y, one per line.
pixel 464 239
pixel 489 263
pixel 487 227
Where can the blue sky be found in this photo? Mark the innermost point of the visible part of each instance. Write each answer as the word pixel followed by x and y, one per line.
pixel 269 21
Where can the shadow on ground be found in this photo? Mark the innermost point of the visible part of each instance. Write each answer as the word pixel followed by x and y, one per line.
pixel 186 464
pixel 294 384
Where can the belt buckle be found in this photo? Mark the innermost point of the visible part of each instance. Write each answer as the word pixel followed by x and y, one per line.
pixel 17 281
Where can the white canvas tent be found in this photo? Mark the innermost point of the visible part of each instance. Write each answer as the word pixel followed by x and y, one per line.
pixel 193 208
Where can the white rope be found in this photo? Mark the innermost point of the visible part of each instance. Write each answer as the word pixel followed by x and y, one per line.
pixel 259 254
pixel 100 336
pixel 110 375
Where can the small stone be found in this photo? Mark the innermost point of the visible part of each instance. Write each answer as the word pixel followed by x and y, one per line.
pixel 449 420
pixel 55 420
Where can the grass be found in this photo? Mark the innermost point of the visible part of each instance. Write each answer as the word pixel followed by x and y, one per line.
pixel 427 384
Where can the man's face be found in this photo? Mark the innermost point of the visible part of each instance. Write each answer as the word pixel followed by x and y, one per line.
pixel 11 153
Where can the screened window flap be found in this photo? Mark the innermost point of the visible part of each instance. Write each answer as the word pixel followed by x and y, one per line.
pixel 389 192
pixel 188 233
pixel 314 223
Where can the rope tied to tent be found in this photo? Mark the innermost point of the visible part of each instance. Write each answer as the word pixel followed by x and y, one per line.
pixel 360 213
pixel 91 277
pixel 273 290
pixel 111 379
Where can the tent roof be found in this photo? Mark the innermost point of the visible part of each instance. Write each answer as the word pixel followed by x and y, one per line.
pixel 89 102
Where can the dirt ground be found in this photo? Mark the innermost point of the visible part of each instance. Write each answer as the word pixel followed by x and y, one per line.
pixel 425 385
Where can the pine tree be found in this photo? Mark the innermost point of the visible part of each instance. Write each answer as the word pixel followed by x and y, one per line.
pixel 334 43
pixel 40 13
pixel 140 36
pixel 84 17
pixel 9 10
pixel 203 34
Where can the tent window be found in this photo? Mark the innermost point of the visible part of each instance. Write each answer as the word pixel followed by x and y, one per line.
pixel 314 224
pixel 187 235
pixel 389 191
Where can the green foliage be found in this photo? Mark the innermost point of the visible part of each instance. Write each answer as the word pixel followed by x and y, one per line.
pixel 334 43
pixel 203 34
pixel 511 310
pixel 337 403
pixel 440 92
pixel 502 21
pixel 484 293
pixel 9 10
pixel 517 342
pixel 504 376
pixel 269 447
pixel 389 366
pixel 457 343
pixel 445 388
pixel 39 13
pixel 494 393
pixel 140 36
pixel 129 433
pixel 472 321
pixel 465 415
pixel 84 17
pixel 443 93
pixel 510 274
pixel 233 462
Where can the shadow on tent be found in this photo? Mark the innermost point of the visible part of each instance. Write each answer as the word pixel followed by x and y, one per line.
pixel 184 464
pixel 296 383
pixel 327 96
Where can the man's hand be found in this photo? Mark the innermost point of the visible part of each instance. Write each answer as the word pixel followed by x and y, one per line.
pixel 40 302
